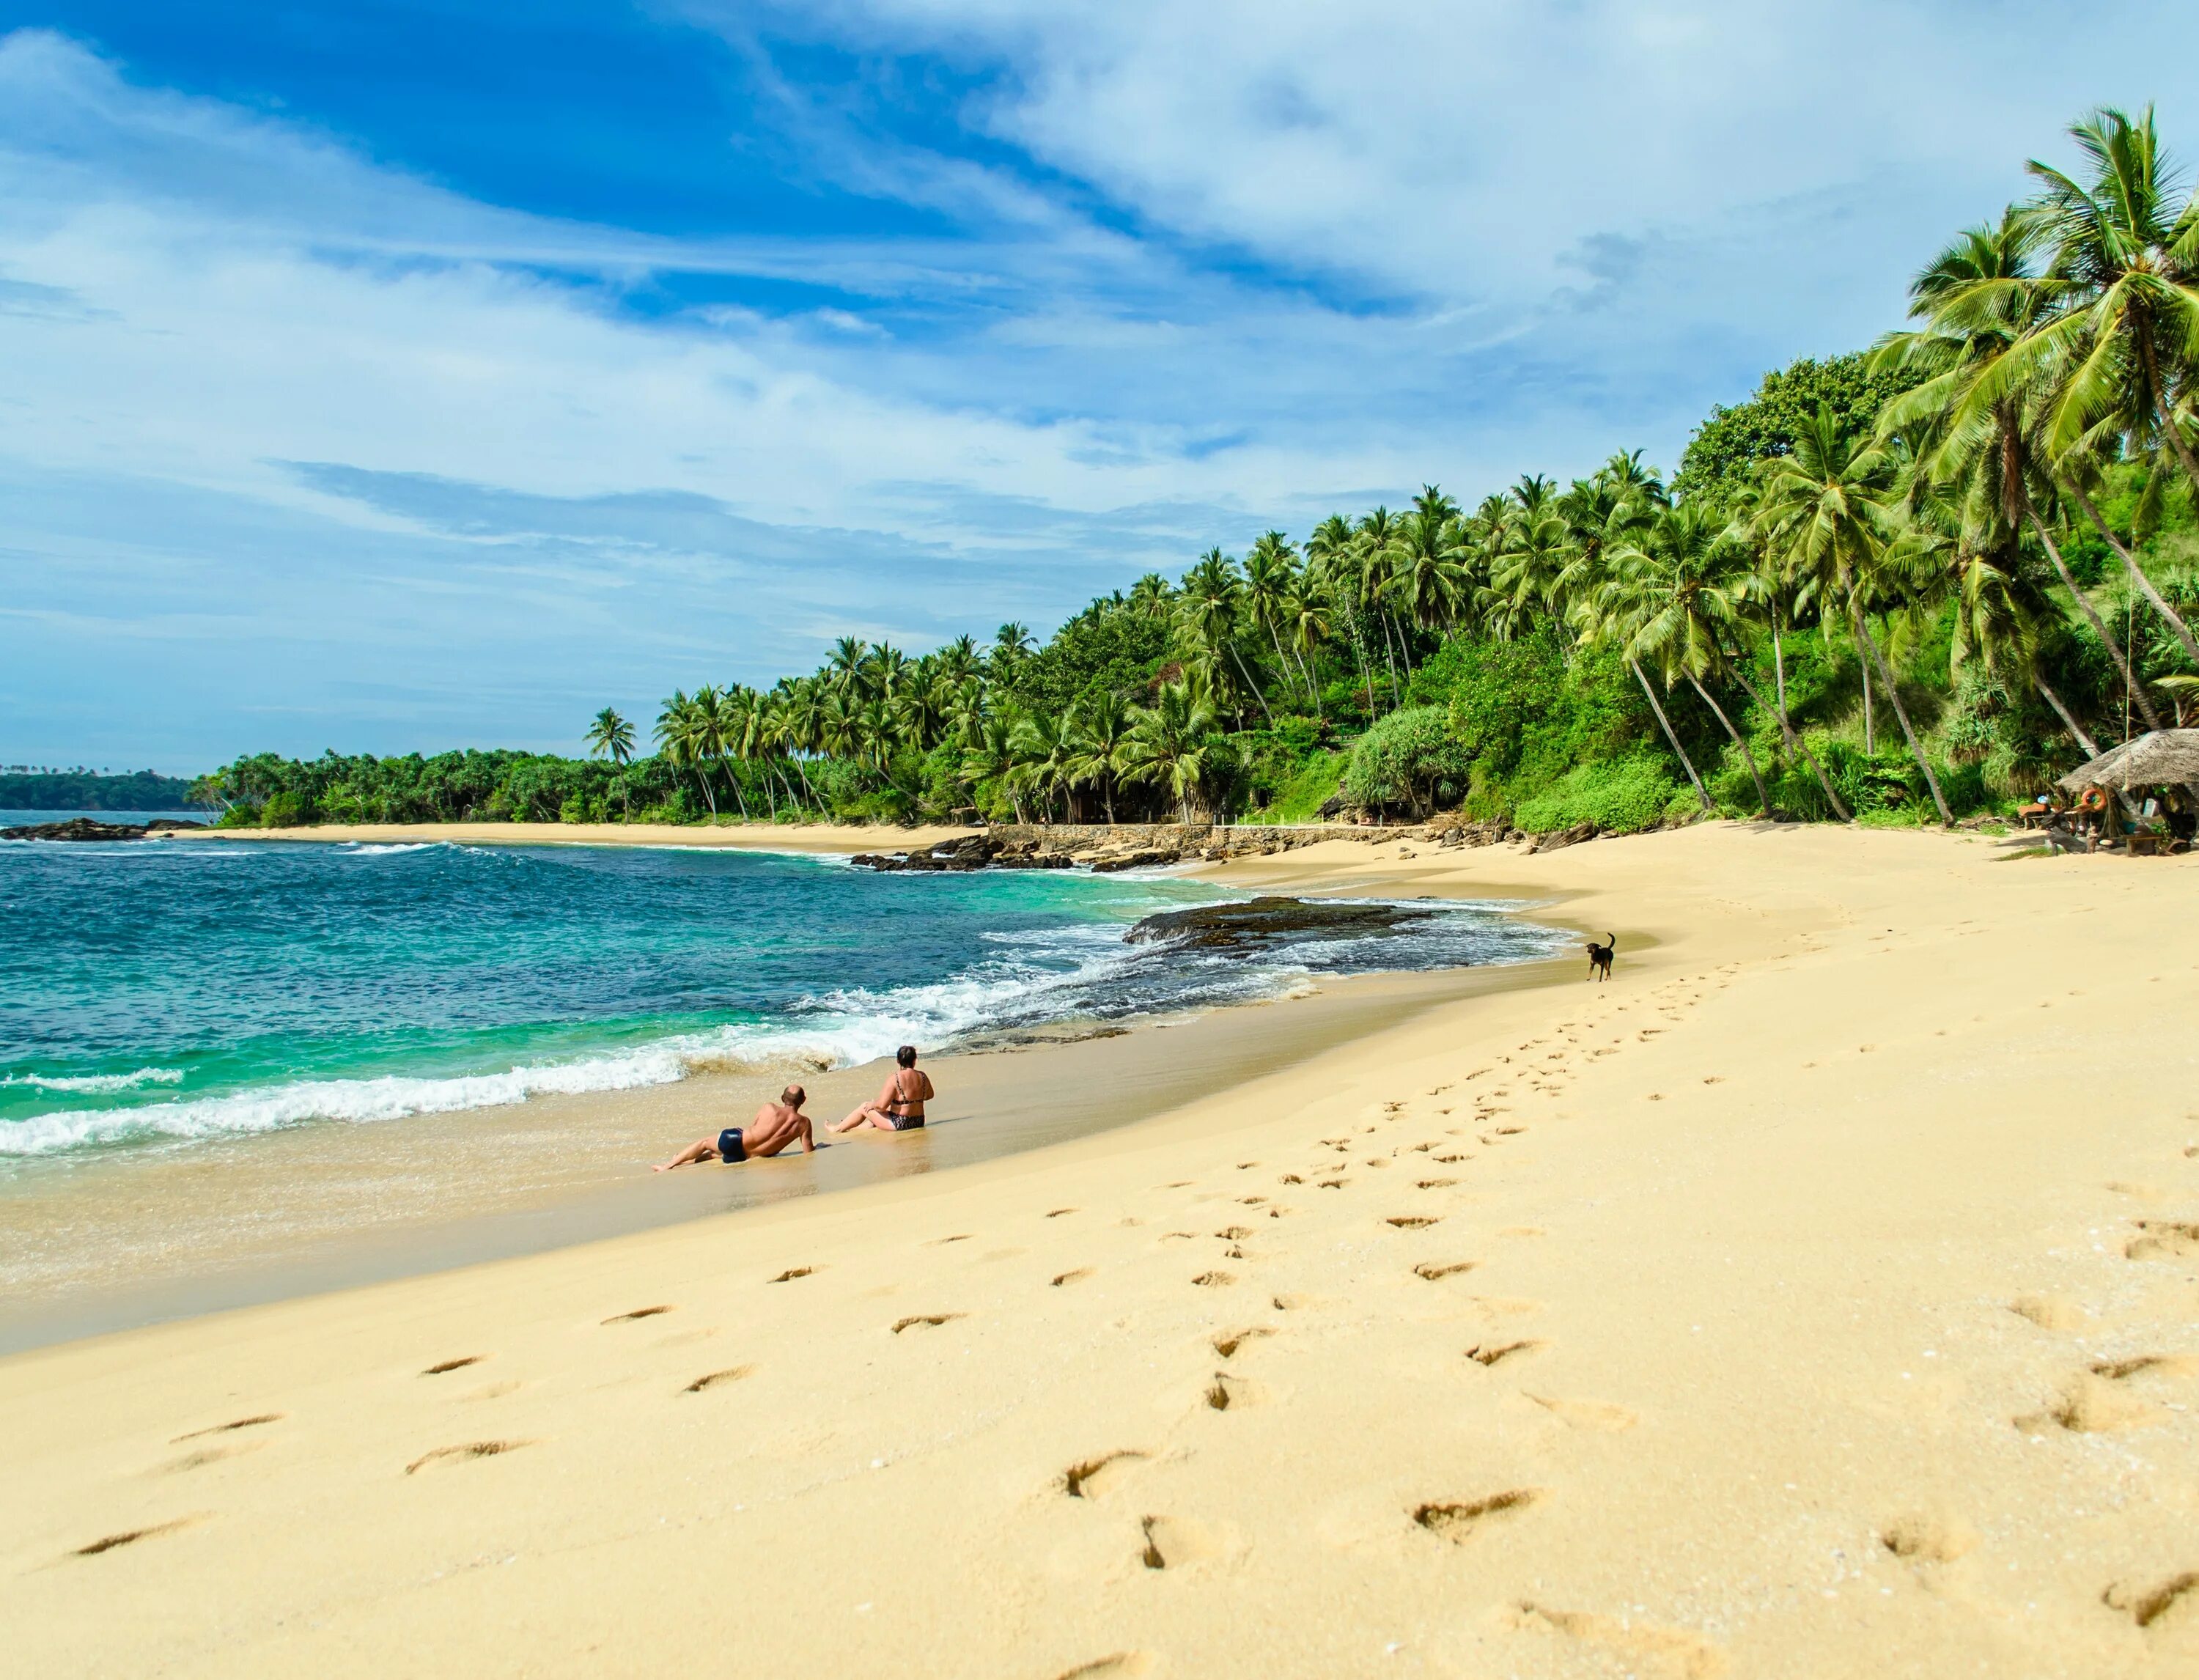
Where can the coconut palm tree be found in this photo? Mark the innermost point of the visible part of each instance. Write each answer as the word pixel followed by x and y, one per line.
pixel 1985 404
pixel 1045 754
pixel 1430 577
pixel 1209 602
pixel 1170 743
pixel 1824 515
pixel 1332 564
pixel 1098 730
pixel 1306 618
pixel 1270 581
pixel 989 759
pixel 1675 594
pixel 1374 544
pixel 611 736
pixel 2125 267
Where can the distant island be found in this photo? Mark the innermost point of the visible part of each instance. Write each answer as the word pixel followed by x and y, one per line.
pixel 29 788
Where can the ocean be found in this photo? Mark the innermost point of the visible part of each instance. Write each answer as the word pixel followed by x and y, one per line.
pixel 156 995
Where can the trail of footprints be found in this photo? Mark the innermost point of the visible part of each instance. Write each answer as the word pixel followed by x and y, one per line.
pixel 1163 1541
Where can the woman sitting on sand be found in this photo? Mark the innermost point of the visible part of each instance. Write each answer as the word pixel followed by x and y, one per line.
pixel 776 1125
pixel 899 1106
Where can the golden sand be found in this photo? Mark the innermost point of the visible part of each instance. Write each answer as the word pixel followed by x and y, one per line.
pixel 1818 1297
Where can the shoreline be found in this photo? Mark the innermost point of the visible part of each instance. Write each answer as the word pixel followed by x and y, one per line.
pixel 827 838
pixel 195 1204
pixel 1857 1209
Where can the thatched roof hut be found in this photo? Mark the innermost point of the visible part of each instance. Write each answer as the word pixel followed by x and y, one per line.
pixel 2157 759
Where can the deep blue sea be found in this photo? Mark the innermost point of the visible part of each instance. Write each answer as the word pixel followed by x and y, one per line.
pixel 162 992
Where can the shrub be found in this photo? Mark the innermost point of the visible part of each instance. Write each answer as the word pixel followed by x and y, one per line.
pixel 286 810
pixel 1410 758
pixel 1625 797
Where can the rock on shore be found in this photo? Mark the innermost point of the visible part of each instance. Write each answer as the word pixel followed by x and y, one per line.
pixel 1259 923
pixel 84 828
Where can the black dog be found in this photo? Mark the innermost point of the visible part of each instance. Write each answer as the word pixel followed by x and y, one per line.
pixel 1599 957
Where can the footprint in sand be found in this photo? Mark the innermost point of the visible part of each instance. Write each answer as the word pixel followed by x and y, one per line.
pixel 449 1365
pixel 1070 1277
pixel 1459 1521
pixel 1094 1476
pixel 1587 1414
pixel 2164 1240
pixel 1227 1344
pixel 1058 1212
pixel 1413 1222
pixel 925 1321
pixel 1640 1649
pixel 794 1272
pixel 2091 1405
pixel 2049 1312
pixel 1494 1353
pixel 131 1536
pixel 2155 1603
pixel 639 1312
pixel 713 1379
pixel 1434 1269
pixel 1927 1538
pixel 1214 1280
pixel 258 1421
pixel 1171 1543
pixel 1116 1665
pixel 464 1453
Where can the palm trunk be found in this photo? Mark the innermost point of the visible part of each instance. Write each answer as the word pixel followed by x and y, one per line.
pixel 1312 693
pixel 1397 699
pixel 1797 743
pixel 1869 727
pixel 2138 577
pixel 2091 747
pixel 1367 676
pixel 1779 677
pixel 1249 684
pixel 1763 797
pixel 1282 662
pixel 1686 763
pixel 2099 628
pixel 702 780
pixel 1901 712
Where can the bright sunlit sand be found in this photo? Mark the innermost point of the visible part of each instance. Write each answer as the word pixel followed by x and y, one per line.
pixel 1815 1297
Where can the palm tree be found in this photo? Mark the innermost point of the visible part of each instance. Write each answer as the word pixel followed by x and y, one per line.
pixel 2123 333
pixel 1374 548
pixel 1045 754
pixel 1012 643
pixel 845 665
pixel 1676 594
pixel 1306 616
pixel 991 757
pixel 1331 563
pixel 1209 603
pixel 1270 581
pixel 1098 730
pixel 611 736
pixel 1169 742
pixel 1824 515
pixel 1984 403
pixel 1430 575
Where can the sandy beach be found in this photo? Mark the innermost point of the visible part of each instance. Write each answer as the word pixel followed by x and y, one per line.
pixel 1817 1297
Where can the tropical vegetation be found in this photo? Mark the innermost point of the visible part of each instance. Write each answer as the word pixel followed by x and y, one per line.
pixel 1979 532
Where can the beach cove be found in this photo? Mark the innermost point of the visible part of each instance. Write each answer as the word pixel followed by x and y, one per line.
pixel 1815 1297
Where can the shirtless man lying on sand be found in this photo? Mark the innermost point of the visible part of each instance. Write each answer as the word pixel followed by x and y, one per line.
pixel 776 1125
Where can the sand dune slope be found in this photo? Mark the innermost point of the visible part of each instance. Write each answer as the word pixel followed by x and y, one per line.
pixel 1821 1297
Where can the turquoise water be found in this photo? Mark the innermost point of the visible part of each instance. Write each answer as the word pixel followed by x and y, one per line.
pixel 154 993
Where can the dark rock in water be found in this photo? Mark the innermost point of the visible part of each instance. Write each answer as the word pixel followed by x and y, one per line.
pixel 1257 924
pixel 969 851
pixel 84 828
pixel 1150 857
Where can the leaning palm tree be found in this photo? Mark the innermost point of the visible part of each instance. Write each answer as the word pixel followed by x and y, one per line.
pixel 2122 341
pixel 1375 545
pixel 1306 617
pixel 989 761
pixel 1986 407
pixel 1676 597
pixel 1824 515
pixel 1170 743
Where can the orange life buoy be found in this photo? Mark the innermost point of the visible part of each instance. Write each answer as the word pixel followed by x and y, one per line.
pixel 2095 799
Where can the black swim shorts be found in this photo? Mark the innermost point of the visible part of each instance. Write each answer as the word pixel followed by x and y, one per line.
pixel 908 1122
pixel 729 1145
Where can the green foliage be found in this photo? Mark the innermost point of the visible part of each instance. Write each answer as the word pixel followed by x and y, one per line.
pixel 1106 649
pixel 1298 793
pixel 1727 446
pixel 1623 797
pixel 88 791
pixel 1409 759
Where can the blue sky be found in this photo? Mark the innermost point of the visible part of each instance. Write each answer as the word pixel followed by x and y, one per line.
pixel 390 375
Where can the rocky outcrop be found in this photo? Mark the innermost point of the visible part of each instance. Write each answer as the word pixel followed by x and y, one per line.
pixel 1260 923
pixel 84 828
